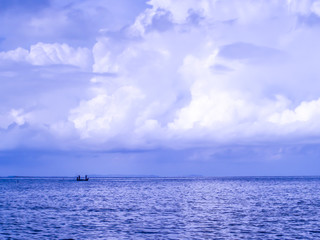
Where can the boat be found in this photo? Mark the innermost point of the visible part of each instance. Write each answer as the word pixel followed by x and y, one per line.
pixel 82 179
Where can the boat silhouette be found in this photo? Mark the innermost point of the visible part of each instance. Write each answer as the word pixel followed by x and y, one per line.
pixel 82 179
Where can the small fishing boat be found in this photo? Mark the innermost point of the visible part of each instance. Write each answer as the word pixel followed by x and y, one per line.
pixel 82 179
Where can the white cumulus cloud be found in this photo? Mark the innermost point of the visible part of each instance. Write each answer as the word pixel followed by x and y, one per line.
pixel 182 72
pixel 48 54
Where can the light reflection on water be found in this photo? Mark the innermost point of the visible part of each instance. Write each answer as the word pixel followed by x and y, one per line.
pixel 160 208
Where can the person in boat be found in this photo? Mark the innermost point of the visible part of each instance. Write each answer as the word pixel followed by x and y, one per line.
pixel 86 177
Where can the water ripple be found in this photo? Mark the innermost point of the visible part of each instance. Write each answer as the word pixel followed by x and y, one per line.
pixel 160 208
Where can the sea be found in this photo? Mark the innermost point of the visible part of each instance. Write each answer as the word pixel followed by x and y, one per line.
pixel 160 208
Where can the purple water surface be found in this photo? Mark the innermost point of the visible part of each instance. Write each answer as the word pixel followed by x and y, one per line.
pixel 160 208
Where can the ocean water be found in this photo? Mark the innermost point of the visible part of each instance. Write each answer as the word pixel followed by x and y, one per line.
pixel 161 208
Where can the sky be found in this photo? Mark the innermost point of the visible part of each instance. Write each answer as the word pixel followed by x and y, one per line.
pixel 159 87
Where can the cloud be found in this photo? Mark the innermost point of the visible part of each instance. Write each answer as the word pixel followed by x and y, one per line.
pixel 49 54
pixel 75 23
pixel 241 50
pixel 102 59
pixel 174 74
pixel 303 118
pixel 106 115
